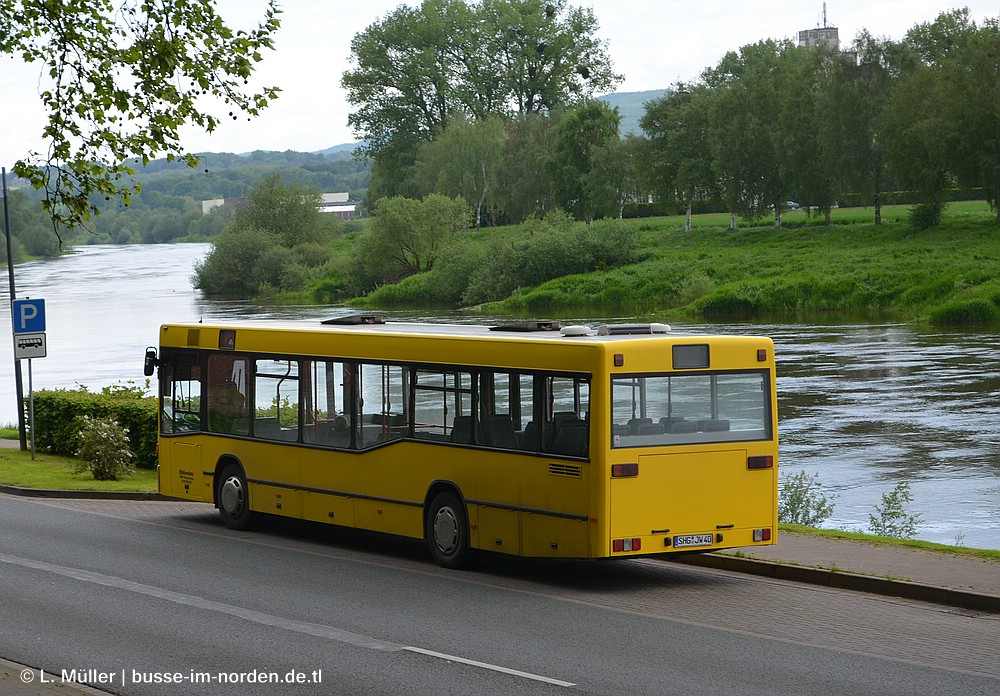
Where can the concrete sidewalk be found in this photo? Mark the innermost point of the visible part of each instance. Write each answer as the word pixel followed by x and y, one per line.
pixel 931 576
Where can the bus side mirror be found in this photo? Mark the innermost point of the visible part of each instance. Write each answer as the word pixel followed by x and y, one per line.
pixel 149 366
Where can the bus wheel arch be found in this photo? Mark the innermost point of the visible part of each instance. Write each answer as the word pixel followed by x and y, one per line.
pixel 446 527
pixel 232 494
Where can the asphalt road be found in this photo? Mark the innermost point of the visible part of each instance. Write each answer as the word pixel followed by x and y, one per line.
pixel 159 598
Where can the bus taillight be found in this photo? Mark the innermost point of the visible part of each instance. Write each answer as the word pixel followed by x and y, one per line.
pixel 624 470
pixel 633 544
pixel 762 534
pixel 762 462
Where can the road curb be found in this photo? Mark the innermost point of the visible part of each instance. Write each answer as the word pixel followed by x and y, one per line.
pixel 95 495
pixel 847 581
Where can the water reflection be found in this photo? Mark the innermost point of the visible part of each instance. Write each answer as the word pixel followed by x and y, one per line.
pixel 864 406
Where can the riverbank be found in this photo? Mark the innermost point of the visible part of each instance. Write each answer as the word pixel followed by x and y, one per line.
pixel 947 275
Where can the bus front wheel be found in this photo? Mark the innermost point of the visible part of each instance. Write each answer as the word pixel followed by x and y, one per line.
pixel 233 499
pixel 448 532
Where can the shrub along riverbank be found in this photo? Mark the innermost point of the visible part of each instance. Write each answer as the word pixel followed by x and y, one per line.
pixel 949 274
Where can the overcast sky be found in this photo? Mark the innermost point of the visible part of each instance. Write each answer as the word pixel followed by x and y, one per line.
pixel 653 43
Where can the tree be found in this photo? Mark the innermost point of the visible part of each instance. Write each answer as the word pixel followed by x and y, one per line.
pixel 119 80
pixel 855 97
pixel 614 175
pixel 407 236
pixel 807 160
pixel 970 99
pixel 277 242
pixel 31 231
pixel 580 134
pixel 289 210
pixel 744 129
pixel 464 161
pixel 523 187
pixel 922 129
pixel 420 67
pixel 677 160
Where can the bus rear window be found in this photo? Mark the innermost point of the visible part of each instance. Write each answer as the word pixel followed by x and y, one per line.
pixel 680 409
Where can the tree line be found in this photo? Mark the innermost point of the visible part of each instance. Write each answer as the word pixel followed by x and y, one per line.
pixel 771 122
pixel 169 206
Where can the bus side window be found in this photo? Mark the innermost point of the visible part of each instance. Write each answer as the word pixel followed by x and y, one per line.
pixel 325 387
pixel 276 394
pixel 226 395
pixel 181 378
pixel 567 426
pixel 382 405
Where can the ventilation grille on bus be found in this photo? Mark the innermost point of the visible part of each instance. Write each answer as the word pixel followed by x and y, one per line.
pixel 355 319
pixel 534 325
pixel 574 470
pixel 631 329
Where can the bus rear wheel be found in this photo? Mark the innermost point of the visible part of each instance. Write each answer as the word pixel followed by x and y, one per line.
pixel 233 499
pixel 448 532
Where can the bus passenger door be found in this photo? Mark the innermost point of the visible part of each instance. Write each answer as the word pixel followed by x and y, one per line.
pixel 181 471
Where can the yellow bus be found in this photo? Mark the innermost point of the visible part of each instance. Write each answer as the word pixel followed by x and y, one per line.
pixel 532 439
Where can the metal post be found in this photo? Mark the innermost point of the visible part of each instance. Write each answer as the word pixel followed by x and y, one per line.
pixel 31 410
pixel 18 384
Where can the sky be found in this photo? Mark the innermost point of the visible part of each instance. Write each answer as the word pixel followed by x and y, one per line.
pixel 652 43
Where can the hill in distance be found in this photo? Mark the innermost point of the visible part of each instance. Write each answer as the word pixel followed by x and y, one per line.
pixel 631 107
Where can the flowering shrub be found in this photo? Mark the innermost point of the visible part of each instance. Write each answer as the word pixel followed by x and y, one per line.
pixel 104 447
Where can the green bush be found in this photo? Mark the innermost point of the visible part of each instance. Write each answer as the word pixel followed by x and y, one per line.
pixel 966 312
pixel 545 248
pixel 57 412
pixel 104 449
pixel 891 519
pixel 801 502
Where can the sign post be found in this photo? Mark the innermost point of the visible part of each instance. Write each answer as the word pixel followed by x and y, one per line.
pixel 27 317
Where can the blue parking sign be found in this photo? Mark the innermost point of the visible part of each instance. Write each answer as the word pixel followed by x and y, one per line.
pixel 28 316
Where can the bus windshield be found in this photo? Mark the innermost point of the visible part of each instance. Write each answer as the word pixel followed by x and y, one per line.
pixel 679 409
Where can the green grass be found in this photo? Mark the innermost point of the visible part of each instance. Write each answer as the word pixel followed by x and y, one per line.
pixel 948 275
pixel 55 472
pixel 851 269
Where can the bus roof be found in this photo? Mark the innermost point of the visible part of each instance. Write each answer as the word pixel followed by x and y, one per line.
pixel 519 330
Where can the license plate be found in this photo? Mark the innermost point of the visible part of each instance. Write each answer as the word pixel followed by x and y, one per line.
pixel 686 540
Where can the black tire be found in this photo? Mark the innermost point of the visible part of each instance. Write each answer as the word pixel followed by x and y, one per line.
pixel 232 497
pixel 448 532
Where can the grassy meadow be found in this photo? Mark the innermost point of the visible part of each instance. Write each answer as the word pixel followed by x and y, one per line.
pixel 946 275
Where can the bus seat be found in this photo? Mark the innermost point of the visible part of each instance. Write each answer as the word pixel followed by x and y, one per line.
pixel 462 431
pixel 502 432
pixel 618 429
pixel 531 438
pixel 668 421
pixel 650 429
pixel 684 427
pixel 571 439
pixel 560 418
pixel 634 423
pixel 713 425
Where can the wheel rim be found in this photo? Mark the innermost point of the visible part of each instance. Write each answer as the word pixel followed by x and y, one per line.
pixel 446 530
pixel 231 497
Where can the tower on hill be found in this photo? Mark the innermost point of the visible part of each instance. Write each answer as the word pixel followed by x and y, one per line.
pixel 823 35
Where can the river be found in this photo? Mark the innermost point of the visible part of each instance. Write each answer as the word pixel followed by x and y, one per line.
pixel 864 406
